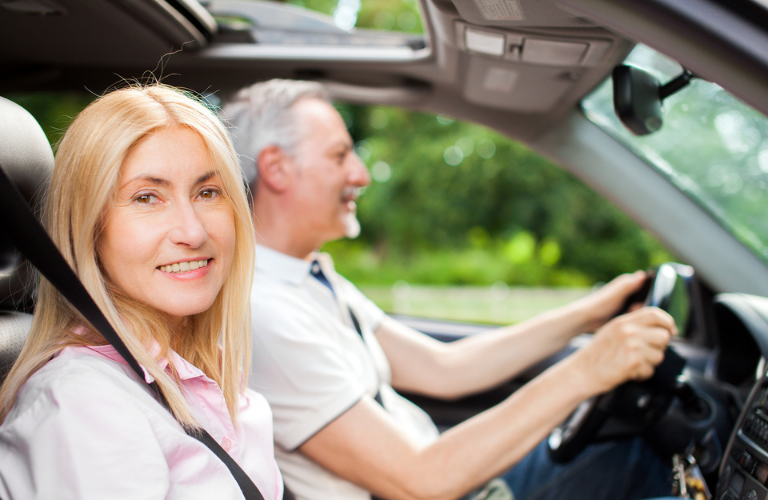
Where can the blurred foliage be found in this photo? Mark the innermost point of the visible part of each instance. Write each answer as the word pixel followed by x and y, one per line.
pixel 454 203
pixel 54 111
pixel 386 15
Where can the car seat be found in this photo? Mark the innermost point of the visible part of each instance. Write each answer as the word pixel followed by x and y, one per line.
pixel 27 159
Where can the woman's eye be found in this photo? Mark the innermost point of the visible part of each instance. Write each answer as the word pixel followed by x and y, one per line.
pixel 208 194
pixel 146 199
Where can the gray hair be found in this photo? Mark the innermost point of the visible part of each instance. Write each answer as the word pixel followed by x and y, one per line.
pixel 260 115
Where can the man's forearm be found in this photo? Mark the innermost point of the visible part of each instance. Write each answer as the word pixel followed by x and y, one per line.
pixel 390 466
pixel 482 361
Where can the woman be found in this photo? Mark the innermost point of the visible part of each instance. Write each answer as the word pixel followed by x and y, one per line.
pixel 146 204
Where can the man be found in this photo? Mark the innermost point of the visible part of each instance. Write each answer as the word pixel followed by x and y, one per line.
pixel 327 358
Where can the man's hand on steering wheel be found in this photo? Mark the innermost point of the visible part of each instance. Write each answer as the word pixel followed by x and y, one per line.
pixel 625 352
pixel 628 347
pixel 609 300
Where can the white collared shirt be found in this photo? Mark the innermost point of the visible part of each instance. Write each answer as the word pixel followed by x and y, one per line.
pixel 312 365
pixel 85 427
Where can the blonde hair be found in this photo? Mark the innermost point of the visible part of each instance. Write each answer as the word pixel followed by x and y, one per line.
pixel 84 184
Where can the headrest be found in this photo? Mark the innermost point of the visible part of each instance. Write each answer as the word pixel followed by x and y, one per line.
pixel 27 159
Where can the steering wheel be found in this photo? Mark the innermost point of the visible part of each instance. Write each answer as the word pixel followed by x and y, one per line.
pixel 632 406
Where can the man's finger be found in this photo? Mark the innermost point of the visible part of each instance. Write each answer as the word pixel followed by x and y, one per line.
pixel 653 316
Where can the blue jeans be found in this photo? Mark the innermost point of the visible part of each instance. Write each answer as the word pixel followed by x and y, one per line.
pixel 615 470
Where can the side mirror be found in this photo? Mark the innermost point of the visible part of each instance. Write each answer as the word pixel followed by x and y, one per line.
pixel 637 97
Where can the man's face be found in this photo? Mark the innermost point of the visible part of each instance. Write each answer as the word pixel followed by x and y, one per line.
pixel 328 173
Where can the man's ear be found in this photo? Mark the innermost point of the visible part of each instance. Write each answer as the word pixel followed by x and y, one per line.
pixel 274 168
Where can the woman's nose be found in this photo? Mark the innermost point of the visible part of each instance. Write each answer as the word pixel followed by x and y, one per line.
pixel 187 227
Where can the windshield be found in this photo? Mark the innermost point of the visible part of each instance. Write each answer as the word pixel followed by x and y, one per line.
pixel 711 146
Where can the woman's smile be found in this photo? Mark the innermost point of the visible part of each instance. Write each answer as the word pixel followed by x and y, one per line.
pixel 184 267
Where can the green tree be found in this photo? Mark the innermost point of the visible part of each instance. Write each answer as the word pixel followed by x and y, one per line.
pixel 437 182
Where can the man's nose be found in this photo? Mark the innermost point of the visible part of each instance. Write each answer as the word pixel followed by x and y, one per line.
pixel 187 227
pixel 359 175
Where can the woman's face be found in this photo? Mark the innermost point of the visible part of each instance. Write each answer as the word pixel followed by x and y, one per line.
pixel 169 239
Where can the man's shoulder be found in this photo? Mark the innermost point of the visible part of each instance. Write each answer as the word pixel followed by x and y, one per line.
pixel 281 308
pixel 271 295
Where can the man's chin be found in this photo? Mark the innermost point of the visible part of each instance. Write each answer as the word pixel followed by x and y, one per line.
pixel 352 226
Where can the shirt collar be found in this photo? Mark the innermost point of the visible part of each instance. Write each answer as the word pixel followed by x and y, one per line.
pixel 280 266
pixel 184 369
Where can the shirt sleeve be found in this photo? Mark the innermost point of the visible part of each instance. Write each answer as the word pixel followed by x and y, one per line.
pixel 80 437
pixel 300 367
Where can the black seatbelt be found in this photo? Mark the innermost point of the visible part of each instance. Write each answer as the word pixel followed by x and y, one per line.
pixel 355 322
pixel 23 229
pixel 317 272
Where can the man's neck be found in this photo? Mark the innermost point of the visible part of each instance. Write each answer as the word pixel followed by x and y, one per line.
pixel 275 231
pixel 279 226
pixel 284 245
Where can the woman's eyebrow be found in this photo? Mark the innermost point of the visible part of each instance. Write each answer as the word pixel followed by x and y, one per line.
pixel 206 176
pixel 164 182
pixel 146 177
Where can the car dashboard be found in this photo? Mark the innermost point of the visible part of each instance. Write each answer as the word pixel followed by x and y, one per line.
pixel 744 472
pixel 743 335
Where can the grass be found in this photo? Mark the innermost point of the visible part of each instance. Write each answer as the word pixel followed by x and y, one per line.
pixel 497 304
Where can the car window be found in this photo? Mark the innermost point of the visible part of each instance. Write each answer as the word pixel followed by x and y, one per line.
pixel 463 223
pixel 712 146
pixel 344 23
pixel 389 15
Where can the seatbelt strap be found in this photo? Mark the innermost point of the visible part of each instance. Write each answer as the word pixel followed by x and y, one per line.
pixel 355 322
pixel 317 272
pixel 23 229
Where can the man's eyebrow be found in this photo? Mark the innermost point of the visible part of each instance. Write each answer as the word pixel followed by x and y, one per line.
pixel 346 145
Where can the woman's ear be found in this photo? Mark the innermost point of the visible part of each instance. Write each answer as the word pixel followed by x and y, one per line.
pixel 274 168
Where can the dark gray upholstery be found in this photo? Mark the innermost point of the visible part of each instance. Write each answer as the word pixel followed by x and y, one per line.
pixel 26 157
pixel 14 327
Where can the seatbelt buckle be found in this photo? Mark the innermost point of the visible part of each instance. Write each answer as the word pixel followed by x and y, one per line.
pixel 688 481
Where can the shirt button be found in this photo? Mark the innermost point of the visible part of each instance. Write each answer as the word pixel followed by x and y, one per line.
pixel 226 444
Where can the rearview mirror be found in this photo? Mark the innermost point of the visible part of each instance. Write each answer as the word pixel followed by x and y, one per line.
pixel 637 97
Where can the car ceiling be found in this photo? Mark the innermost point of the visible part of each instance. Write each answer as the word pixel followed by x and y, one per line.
pixel 549 59
pixel 552 53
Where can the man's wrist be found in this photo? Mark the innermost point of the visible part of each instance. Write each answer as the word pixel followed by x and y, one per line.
pixel 580 316
pixel 582 376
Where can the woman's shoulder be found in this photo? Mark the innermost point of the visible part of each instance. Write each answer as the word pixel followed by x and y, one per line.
pixel 75 378
pixel 75 415
pixel 78 365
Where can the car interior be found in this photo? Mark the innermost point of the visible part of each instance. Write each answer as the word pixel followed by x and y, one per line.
pixel 528 69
